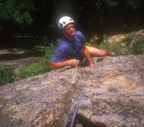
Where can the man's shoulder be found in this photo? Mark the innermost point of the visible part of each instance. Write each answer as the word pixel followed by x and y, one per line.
pixel 79 33
pixel 80 36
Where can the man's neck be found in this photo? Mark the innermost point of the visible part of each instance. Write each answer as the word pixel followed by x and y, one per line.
pixel 70 38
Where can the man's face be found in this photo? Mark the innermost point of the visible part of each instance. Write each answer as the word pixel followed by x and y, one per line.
pixel 70 31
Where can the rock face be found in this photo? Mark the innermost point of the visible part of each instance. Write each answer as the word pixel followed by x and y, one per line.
pixel 137 37
pixel 44 100
pixel 113 96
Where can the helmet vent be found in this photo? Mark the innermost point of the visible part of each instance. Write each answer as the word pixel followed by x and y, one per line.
pixel 64 23
pixel 61 25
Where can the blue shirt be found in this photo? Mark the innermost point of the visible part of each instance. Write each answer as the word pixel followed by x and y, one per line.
pixel 70 49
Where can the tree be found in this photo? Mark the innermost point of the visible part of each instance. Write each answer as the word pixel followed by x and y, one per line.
pixel 40 16
pixel 18 11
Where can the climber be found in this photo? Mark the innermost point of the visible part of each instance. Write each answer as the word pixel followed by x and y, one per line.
pixel 72 50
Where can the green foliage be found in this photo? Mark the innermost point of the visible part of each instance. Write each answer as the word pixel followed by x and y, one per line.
pixel 33 69
pixel 128 39
pixel 40 67
pixel 138 48
pixel 6 75
pixel 49 52
pixel 16 10
pixel 110 47
pixel 111 2
pixel 122 50
pixel 132 3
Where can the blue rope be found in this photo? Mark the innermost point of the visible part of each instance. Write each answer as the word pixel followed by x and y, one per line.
pixel 77 106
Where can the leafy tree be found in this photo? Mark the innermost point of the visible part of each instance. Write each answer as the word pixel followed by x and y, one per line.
pixel 133 3
pixel 41 15
pixel 18 11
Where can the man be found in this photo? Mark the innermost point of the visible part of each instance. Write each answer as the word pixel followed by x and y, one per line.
pixel 72 51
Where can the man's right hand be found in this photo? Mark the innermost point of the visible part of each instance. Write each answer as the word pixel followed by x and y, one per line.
pixel 73 62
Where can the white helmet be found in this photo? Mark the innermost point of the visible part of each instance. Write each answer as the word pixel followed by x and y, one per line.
pixel 65 21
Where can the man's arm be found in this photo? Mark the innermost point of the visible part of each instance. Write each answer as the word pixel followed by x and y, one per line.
pixel 87 54
pixel 71 62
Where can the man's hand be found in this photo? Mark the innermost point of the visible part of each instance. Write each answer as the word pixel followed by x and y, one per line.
pixel 73 62
pixel 92 65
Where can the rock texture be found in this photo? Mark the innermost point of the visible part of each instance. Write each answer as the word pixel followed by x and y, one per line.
pixel 113 96
pixel 137 37
pixel 44 100
pixel 134 38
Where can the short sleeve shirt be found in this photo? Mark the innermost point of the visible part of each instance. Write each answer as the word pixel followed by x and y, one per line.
pixel 70 49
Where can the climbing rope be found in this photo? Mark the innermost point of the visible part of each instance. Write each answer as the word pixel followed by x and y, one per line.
pixel 79 100
pixel 77 106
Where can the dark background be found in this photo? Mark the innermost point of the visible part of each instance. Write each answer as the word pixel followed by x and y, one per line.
pixel 39 24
